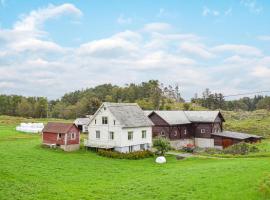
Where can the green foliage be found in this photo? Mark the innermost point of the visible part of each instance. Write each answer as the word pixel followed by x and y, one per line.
pixel 242 148
pixel 162 145
pixel 131 156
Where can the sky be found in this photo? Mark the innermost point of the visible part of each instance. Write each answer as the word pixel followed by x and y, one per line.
pixel 48 48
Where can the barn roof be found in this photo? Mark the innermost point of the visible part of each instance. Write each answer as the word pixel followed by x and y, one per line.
pixel 203 116
pixel 128 114
pixel 187 117
pixel 236 135
pixel 174 117
pixel 57 127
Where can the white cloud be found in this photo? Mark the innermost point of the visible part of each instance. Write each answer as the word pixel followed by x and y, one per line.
pixel 36 18
pixel 196 49
pixel 262 72
pixel 228 12
pixel 208 12
pixel 124 20
pixel 157 27
pixel 264 37
pixel 238 49
pixel 252 6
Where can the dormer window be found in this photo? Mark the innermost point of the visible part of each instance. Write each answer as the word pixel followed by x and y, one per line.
pixel 104 120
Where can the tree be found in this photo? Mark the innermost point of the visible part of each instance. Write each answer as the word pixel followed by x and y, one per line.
pixel 264 103
pixel 162 145
pixel 24 108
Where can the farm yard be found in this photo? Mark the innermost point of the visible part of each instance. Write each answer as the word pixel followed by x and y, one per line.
pixel 29 171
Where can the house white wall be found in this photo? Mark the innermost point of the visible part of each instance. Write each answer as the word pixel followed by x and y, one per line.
pixel 120 142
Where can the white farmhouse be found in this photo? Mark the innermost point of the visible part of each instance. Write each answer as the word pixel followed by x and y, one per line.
pixel 122 127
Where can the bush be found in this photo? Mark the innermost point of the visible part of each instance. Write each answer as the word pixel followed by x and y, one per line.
pixel 265 186
pixel 162 145
pixel 212 151
pixel 189 148
pixel 242 148
pixel 132 155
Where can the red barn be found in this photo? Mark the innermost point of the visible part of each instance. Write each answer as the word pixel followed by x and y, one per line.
pixel 64 135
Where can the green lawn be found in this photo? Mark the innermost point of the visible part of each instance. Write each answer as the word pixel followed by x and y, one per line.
pixel 28 171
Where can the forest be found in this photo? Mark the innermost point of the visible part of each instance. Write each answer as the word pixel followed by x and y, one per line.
pixel 149 95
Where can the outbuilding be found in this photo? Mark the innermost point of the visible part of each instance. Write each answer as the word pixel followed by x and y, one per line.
pixel 228 138
pixel 82 123
pixel 63 135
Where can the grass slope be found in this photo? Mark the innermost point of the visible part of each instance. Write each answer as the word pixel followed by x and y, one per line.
pixel 256 122
pixel 28 171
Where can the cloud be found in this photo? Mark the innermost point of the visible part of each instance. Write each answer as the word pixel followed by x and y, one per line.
pixel 157 27
pixel 238 49
pixel 208 12
pixel 124 20
pixel 36 18
pixel 264 37
pixel 33 64
pixel 252 6
pixel 196 49
pixel 3 3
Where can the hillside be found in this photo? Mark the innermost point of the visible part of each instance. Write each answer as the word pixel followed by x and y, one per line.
pixel 255 122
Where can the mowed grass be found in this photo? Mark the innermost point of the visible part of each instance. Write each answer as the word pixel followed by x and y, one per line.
pixel 28 171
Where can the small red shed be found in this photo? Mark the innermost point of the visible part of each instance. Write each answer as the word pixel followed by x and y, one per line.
pixel 64 135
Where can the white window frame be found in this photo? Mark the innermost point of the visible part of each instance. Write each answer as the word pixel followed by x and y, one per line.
pixel 111 133
pixel 130 148
pixel 98 132
pixel 103 120
pixel 59 136
pixel 162 133
pixel 130 135
pixel 142 145
pixel 114 122
pixel 203 130
pixel 72 136
pixel 144 133
pixel 175 132
pixel 185 131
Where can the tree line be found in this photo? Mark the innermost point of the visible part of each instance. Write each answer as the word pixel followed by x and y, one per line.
pixel 151 95
pixel 215 101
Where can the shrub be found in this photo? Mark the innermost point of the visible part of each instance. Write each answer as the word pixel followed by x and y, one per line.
pixel 264 187
pixel 162 145
pixel 132 155
pixel 242 148
pixel 212 151
pixel 189 148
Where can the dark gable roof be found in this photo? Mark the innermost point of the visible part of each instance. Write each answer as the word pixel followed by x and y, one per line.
pixel 187 117
pixel 236 135
pixel 57 127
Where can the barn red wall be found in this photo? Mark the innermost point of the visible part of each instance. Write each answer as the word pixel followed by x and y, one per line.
pixel 51 138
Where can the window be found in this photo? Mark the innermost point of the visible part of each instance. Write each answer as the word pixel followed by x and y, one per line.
pixel 104 120
pixel 175 133
pixel 95 121
pixel 130 148
pixel 113 122
pixel 73 136
pixel 97 134
pixel 162 133
pixel 59 136
pixel 111 135
pixel 143 134
pixel 104 108
pixel 202 130
pixel 185 131
pixel 142 146
pixel 130 135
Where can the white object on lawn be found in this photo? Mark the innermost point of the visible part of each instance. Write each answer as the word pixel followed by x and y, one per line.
pixel 30 127
pixel 161 159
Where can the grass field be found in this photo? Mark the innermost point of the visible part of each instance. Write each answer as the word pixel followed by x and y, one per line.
pixel 28 171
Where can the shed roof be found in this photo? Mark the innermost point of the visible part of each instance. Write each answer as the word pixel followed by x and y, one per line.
pixel 174 117
pixel 128 114
pixel 236 135
pixel 57 127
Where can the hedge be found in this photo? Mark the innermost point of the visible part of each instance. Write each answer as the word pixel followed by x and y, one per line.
pixel 131 156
